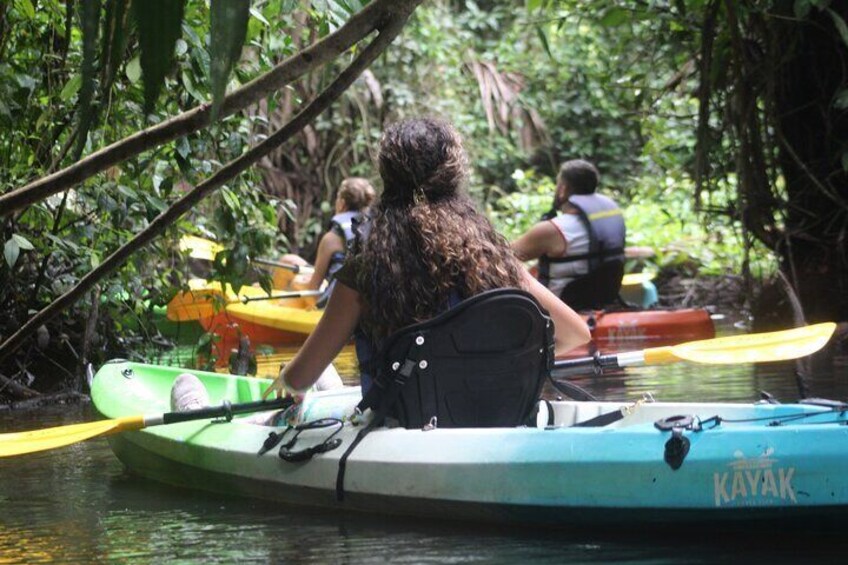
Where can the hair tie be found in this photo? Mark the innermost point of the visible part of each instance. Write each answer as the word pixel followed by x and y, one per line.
pixel 418 196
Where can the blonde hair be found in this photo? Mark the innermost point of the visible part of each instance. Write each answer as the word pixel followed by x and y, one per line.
pixel 357 193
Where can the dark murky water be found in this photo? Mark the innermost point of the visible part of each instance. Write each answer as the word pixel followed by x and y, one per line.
pixel 77 505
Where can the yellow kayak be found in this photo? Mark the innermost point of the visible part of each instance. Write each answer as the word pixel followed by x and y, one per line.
pixel 275 315
pixel 207 303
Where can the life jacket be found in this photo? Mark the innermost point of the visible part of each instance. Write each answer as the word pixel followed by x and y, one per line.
pixel 342 225
pixel 600 285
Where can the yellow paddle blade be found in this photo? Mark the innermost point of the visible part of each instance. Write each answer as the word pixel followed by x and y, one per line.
pixel 634 279
pixel 200 248
pixel 756 348
pixel 18 443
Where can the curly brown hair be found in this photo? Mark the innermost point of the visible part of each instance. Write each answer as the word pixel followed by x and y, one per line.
pixel 426 239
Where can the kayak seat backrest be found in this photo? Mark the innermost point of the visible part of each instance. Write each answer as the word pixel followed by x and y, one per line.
pixel 597 289
pixel 480 364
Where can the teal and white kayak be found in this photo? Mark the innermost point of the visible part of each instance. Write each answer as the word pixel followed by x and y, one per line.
pixel 713 462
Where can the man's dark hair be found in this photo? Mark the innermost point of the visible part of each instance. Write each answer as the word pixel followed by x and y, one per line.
pixel 581 176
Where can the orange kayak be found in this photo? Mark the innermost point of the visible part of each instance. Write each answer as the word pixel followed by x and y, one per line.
pixel 638 329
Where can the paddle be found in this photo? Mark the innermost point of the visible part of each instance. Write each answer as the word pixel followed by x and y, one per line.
pixel 751 348
pixel 296 269
pixel 19 443
pixel 292 294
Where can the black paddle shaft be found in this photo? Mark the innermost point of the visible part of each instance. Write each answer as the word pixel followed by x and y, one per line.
pixel 597 364
pixel 294 294
pixel 225 410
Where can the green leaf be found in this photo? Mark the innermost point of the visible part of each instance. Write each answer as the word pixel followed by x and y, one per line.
pixel 114 40
pixel 134 70
pixel 228 29
pixel 71 88
pixel 231 199
pixel 801 8
pixel 840 102
pixel 23 242
pixel 258 15
pixel 614 17
pixel 128 192
pixel 90 23
pixel 159 25
pixel 840 25
pixel 26 7
pixel 188 84
pixel 544 39
pixel 11 251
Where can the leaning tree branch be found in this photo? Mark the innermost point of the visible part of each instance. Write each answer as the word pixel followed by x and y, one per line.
pixel 359 26
pixel 388 30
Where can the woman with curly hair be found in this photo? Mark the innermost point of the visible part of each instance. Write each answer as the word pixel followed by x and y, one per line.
pixel 427 249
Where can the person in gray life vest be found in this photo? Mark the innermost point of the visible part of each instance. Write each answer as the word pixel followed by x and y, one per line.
pixel 580 243
pixel 354 197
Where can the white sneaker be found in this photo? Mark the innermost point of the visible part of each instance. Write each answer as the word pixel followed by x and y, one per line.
pixel 188 393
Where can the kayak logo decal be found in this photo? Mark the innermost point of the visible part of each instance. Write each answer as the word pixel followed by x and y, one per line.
pixel 626 331
pixel 754 481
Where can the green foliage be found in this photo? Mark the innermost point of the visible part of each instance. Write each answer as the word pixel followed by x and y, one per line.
pixel 49 247
pixel 661 216
pixel 159 24
pixel 228 25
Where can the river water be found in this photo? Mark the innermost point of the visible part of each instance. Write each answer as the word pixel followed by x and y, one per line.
pixel 78 505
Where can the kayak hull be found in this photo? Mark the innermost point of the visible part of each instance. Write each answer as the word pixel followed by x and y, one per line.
pixel 154 465
pixel 561 475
